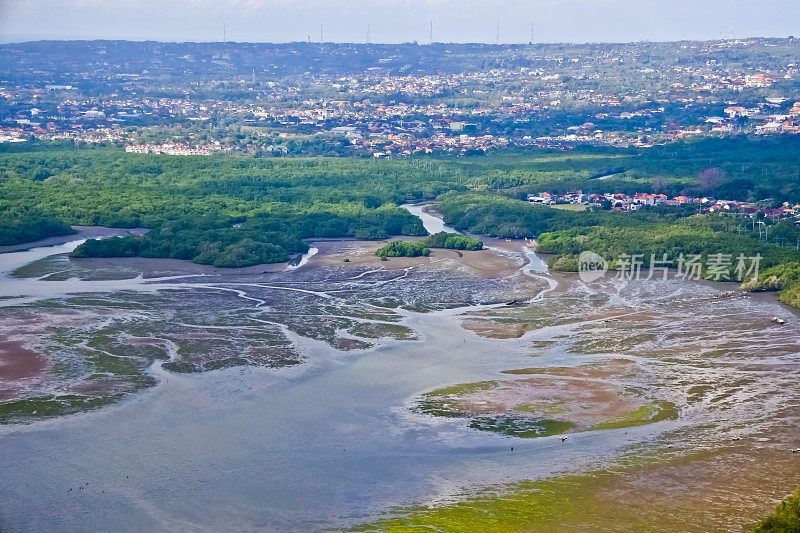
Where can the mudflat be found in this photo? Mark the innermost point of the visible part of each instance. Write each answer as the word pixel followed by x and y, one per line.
pixel 17 362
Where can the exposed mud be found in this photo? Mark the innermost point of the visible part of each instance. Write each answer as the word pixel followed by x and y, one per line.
pixel 16 362
pixel 600 395
pixel 292 399
pixel 100 325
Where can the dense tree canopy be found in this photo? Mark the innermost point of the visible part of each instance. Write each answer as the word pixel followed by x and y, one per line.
pixel 403 249
pixel 24 224
pixel 225 210
pixel 453 241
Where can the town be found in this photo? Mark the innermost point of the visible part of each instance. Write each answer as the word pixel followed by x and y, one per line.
pixel 397 100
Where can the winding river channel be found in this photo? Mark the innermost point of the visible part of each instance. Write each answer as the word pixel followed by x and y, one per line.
pixel 325 444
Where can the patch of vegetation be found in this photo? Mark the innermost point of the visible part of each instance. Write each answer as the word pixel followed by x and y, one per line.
pixel 785 519
pixel 647 414
pixel 657 235
pixel 783 278
pixel 463 388
pixel 452 241
pixel 51 406
pixel 233 211
pixel 260 239
pixel 22 223
pixel 444 402
pixel 375 330
pixel 570 207
pixel 525 506
pixel 650 232
pixel 524 427
pixel 403 249
pixel 540 419
pixel 485 213
pixel 224 211
pixel 540 408
pixel 229 362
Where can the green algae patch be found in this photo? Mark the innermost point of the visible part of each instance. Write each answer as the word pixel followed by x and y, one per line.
pixel 524 506
pixel 51 406
pixel 524 371
pixel 463 388
pixel 647 414
pixel 786 517
pixel 523 427
pixel 445 402
pixel 603 499
pixel 548 408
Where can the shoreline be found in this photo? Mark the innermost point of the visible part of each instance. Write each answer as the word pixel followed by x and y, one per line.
pixel 81 232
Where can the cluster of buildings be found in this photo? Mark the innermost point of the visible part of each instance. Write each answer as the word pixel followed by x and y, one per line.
pixel 632 202
pixel 770 117
pixel 170 149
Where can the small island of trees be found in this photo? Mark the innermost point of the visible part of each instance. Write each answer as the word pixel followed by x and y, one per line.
pixel 450 241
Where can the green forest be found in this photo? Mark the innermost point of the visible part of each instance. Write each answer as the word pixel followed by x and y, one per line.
pixel 230 211
pixel 650 232
pixel 224 211
pixel 21 223
pixel 452 241
pixel 403 249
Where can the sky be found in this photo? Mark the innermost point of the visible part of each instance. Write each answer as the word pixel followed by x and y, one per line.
pixel 391 21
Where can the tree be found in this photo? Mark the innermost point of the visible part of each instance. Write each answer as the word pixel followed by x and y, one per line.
pixel 711 178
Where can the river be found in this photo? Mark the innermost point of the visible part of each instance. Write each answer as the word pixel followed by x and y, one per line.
pixel 432 223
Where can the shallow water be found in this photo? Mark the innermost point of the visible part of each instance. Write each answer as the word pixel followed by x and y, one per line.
pixel 331 442
pixel 14 260
pixel 432 223
pixel 302 259
pixel 296 449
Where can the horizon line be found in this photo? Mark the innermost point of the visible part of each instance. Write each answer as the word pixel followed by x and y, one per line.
pixel 395 43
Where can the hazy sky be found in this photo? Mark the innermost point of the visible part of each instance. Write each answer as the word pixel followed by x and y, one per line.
pixel 397 20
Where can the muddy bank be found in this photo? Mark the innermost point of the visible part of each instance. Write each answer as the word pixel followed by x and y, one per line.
pixel 607 394
pixel 160 267
pixel 19 367
pixel 287 399
pixel 484 263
